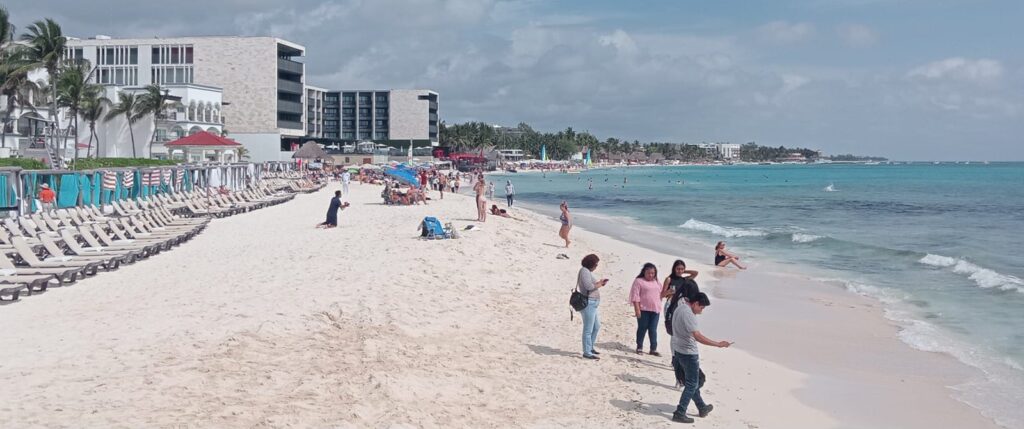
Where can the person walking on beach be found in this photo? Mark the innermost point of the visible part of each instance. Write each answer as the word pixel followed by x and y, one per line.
pixel 490 191
pixel 723 257
pixel 566 219
pixel 685 336
pixel 332 211
pixel 588 286
pixel 481 201
pixel 346 178
pixel 442 182
pixel 645 295
pixel 510 192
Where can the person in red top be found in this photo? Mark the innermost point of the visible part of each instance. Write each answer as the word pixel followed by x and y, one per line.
pixel 46 196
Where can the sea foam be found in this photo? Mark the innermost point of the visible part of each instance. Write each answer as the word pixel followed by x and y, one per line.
pixel 805 238
pixel 723 231
pixel 981 276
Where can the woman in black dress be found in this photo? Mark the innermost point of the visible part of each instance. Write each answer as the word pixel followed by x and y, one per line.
pixel 332 211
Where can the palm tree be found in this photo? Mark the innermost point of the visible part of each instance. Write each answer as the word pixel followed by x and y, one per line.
pixel 153 101
pixel 72 88
pixel 94 103
pixel 6 28
pixel 128 106
pixel 17 87
pixel 43 48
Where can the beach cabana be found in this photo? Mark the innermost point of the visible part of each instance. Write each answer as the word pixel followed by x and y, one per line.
pixel 204 146
pixel 311 150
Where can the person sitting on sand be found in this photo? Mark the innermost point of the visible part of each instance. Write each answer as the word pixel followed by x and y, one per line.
pixel 723 258
pixel 332 211
pixel 566 220
pixel 685 336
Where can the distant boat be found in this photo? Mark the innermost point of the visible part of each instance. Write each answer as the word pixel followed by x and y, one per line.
pixel 830 188
pixel 872 163
pixel 967 163
pixel 936 163
pixel 986 163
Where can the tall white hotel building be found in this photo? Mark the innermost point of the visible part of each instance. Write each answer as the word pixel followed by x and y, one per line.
pixel 267 105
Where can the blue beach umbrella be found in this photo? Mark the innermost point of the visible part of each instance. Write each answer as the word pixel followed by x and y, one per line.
pixel 404 175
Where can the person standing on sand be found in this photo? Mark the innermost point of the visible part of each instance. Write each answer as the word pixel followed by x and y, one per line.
pixel 442 182
pixel 677 279
pixel 47 197
pixel 332 211
pixel 588 286
pixel 723 258
pixel 490 191
pixel 685 336
pixel 345 179
pixel 566 219
pixel 645 295
pixel 481 201
pixel 510 192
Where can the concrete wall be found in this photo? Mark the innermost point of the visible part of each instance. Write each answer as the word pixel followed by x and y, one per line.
pixel 261 146
pixel 409 116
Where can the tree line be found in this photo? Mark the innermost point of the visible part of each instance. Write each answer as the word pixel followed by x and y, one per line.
pixel 42 46
pixel 473 136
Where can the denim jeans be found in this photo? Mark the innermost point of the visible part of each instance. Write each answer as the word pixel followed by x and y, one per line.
pixel 647 323
pixel 591 325
pixel 509 198
pixel 690 364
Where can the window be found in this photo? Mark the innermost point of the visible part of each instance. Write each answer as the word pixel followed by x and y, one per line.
pixel 382 123
pixel 172 54
pixel 348 111
pixel 348 135
pixel 380 135
pixel 365 111
pixel 382 112
pixel 365 135
pixel 364 124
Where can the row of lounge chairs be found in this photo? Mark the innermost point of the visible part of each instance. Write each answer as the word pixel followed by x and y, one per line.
pixel 65 245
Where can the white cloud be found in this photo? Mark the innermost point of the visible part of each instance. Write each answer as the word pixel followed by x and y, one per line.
pixel 857 35
pixel 979 71
pixel 786 32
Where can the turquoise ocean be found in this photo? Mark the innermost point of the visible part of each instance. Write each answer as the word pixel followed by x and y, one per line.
pixel 939 244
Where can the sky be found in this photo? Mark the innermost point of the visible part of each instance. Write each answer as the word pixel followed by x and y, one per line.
pixel 905 79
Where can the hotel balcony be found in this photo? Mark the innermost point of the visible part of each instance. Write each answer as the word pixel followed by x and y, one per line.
pixel 290 125
pixel 289 107
pixel 284 85
pixel 289 66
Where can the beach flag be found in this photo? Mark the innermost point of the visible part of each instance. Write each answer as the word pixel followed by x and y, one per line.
pixel 109 180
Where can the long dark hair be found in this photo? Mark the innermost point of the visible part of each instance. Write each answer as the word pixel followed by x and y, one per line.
pixel 678 295
pixel 678 263
pixel 644 269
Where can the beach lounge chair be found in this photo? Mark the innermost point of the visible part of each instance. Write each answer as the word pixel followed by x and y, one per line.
pixel 433 230
pixel 108 262
pixel 29 257
pixel 64 276
pixel 139 251
pixel 12 282
pixel 71 241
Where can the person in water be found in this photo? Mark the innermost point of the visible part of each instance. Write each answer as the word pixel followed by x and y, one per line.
pixel 723 257
pixel 332 211
pixel 566 219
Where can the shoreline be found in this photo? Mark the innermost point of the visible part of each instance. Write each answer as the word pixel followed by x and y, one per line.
pixel 935 375
pixel 264 321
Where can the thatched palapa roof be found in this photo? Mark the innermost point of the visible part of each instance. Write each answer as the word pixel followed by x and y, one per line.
pixel 310 150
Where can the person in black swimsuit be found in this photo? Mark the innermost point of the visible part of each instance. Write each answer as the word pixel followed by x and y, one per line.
pixel 723 258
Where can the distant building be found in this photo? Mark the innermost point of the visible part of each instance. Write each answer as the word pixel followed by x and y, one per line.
pixel 395 117
pixel 262 82
pixel 722 151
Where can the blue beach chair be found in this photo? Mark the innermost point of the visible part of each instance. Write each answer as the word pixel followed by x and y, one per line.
pixel 433 230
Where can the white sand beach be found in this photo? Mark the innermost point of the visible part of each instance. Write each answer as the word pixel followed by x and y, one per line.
pixel 264 321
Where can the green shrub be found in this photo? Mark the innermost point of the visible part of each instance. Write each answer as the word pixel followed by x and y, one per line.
pixel 95 163
pixel 26 163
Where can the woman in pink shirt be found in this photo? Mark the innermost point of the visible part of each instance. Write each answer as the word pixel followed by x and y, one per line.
pixel 646 298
